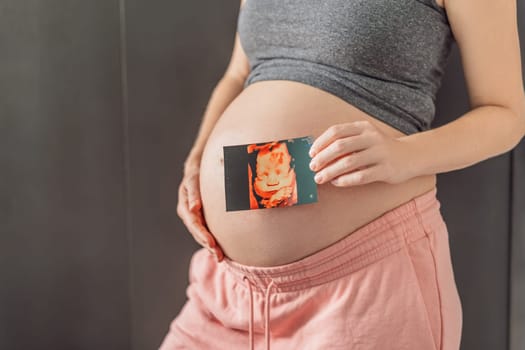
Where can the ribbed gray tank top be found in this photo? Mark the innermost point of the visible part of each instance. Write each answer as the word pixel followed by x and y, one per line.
pixel 385 57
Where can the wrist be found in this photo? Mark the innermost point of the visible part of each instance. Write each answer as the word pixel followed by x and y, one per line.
pixel 414 155
pixel 195 154
pixel 192 160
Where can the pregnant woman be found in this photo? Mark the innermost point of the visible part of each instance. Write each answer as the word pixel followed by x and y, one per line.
pixel 367 266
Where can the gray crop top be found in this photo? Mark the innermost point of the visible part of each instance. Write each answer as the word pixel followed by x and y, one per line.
pixel 385 57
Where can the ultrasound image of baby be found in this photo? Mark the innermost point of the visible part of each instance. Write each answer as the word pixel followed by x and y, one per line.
pixel 269 174
pixel 274 183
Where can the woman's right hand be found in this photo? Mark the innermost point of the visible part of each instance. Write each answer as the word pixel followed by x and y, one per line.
pixel 189 209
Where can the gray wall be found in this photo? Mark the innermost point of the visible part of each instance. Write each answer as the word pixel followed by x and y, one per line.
pixel 64 245
pixel 99 103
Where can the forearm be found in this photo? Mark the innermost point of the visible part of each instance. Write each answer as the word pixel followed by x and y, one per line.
pixel 226 90
pixel 479 134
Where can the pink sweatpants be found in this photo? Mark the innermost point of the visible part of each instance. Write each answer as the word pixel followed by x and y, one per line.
pixel 387 286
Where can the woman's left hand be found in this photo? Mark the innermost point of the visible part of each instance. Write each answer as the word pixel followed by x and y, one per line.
pixel 357 153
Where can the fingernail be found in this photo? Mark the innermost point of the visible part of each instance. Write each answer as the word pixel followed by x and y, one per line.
pixel 313 165
pixel 311 152
pixel 318 177
pixel 219 255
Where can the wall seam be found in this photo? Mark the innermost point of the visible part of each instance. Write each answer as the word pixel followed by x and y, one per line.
pixel 510 252
pixel 127 162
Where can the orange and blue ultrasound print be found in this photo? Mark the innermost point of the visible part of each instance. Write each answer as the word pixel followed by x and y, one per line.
pixel 269 174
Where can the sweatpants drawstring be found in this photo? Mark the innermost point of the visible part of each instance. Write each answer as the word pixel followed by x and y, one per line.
pixel 250 330
pixel 266 313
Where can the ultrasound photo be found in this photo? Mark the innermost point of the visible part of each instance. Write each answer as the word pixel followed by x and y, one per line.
pixel 270 174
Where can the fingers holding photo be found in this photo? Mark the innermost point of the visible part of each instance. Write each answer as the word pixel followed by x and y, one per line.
pixel 356 153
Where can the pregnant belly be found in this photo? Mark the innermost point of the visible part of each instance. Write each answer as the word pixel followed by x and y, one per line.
pixel 275 110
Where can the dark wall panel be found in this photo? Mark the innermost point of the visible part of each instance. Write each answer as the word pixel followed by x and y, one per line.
pixel 64 248
pixel 517 243
pixel 517 249
pixel 176 53
pixel 475 206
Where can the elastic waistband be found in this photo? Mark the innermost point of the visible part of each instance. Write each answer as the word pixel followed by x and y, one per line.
pixel 371 242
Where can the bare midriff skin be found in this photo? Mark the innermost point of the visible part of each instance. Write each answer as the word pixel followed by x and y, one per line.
pixel 281 109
